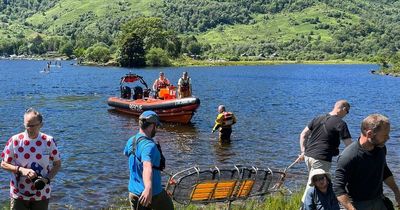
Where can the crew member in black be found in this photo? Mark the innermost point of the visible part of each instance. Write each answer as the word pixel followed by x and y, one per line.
pixel 320 139
pixel 362 168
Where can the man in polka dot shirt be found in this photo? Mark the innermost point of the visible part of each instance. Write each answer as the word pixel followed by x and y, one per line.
pixel 31 155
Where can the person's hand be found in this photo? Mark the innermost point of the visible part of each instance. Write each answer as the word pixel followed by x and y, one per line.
pixel 300 158
pixel 31 174
pixel 145 197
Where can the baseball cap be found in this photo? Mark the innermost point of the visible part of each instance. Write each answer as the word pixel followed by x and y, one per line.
pixel 150 117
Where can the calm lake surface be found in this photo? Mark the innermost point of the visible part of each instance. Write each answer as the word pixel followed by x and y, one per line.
pixel 272 104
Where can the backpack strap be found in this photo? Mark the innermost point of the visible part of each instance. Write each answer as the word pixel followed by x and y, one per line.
pixel 135 142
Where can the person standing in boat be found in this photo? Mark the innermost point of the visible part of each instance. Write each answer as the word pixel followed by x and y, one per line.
pixel 224 123
pixel 320 139
pixel 145 165
pixel 161 82
pixel 184 86
pixel 33 160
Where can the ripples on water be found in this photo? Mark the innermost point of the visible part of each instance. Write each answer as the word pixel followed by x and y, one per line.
pixel 272 104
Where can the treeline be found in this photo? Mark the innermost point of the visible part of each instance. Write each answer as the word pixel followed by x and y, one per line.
pixel 200 16
pixel 374 36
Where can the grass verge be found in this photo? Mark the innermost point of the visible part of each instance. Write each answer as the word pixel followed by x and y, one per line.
pixel 276 201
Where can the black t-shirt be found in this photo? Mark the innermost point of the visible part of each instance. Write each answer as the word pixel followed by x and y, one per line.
pixel 360 173
pixel 324 140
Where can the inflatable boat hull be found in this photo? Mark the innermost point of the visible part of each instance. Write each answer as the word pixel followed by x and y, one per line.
pixel 171 110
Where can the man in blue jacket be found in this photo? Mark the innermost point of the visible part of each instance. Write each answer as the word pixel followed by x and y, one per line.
pixel 145 165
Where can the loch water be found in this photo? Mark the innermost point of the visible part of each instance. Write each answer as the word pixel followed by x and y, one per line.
pixel 272 104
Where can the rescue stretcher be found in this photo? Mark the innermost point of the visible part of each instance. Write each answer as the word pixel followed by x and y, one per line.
pixel 196 186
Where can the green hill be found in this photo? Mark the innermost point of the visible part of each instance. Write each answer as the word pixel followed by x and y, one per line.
pixel 230 29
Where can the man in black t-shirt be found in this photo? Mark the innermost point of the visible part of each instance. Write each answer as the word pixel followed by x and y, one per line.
pixel 362 168
pixel 320 139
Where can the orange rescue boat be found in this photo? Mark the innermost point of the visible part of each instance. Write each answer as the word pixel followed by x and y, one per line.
pixel 167 106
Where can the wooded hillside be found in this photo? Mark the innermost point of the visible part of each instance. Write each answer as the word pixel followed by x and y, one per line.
pixel 209 29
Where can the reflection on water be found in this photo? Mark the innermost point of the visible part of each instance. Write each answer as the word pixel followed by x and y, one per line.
pixel 223 152
pixel 76 98
pixel 272 105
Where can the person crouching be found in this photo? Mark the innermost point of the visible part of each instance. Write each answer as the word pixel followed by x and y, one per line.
pixel 320 195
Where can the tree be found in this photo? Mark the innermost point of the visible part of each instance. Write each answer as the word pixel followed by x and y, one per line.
pixel 194 48
pixel 132 53
pixel 98 53
pixel 79 52
pixel 149 29
pixel 154 35
pixel 67 49
pixel 36 45
pixel 157 57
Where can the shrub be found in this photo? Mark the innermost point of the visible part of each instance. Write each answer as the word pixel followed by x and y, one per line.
pixel 157 57
pixel 98 53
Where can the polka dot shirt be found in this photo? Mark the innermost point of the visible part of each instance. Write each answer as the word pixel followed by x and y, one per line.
pixel 37 154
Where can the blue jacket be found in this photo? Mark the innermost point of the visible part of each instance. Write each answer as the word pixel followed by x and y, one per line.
pixel 316 200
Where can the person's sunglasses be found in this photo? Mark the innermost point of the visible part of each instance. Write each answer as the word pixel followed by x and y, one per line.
pixel 32 125
pixel 318 178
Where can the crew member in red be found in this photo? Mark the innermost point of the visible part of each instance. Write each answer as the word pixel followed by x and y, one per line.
pixel 224 123
pixel 161 82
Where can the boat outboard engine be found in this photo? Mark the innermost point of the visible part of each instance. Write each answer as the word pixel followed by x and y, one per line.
pixel 138 92
pixel 126 92
pixel 146 92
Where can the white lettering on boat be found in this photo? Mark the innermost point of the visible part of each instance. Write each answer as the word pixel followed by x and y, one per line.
pixel 182 102
pixel 135 107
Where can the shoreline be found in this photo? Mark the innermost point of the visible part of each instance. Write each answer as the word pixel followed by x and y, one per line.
pixel 191 62
pixel 385 73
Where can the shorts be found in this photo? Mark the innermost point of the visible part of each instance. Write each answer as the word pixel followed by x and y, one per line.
pixel 17 204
